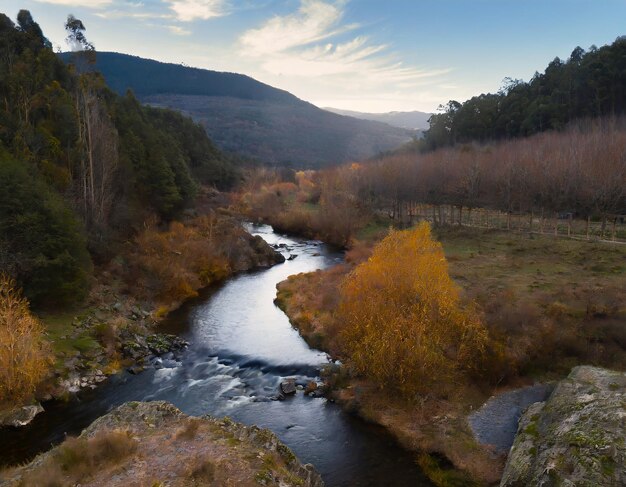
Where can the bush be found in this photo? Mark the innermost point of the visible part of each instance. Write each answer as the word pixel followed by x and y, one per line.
pixel 203 470
pixel 403 325
pixel 79 456
pixel 24 354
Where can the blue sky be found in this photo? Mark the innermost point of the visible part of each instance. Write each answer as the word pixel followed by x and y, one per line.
pixel 366 55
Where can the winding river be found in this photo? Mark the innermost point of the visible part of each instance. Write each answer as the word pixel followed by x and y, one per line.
pixel 242 346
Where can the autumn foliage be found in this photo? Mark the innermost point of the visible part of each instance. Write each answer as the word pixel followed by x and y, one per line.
pixel 24 355
pixel 175 263
pixel 403 323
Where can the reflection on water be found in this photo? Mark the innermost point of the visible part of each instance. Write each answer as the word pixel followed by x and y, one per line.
pixel 242 346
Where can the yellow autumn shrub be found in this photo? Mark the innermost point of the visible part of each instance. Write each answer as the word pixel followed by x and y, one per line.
pixel 403 323
pixel 24 353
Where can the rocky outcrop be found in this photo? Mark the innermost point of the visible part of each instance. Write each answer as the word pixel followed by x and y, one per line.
pixel 154 443
pixel 577 437
pixel 251 251
pixel 138 347
pixel 20 416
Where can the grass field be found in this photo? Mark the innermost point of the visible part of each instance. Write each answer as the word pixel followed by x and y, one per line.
pixel 543 292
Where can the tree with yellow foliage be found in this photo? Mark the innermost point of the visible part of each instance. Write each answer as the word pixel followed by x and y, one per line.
pixel 403 323
pixel 24 353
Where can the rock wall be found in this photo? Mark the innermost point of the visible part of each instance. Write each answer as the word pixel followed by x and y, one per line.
pixel 575 438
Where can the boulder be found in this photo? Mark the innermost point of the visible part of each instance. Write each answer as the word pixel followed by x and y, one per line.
pixel 576 437
pixel 20 416
pixel 288 386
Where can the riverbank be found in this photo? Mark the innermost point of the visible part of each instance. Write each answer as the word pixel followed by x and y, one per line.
pixel 550 304
pixel 242 347
pixel 117 326
pixel 433 428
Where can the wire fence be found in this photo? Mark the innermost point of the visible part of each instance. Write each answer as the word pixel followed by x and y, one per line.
pixel 610 229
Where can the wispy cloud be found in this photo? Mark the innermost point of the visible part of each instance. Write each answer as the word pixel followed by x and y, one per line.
pixel 315 21
pixel 314 45
pixel 188 10
pixel 127 14
pixel 178 30
pixel 79 3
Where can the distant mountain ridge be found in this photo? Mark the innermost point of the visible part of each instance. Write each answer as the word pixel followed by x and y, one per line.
pixel 412 120
pixel 251 118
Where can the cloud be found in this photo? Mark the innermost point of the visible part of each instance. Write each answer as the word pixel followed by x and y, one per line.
pixel 315 21
pixel 177 30
pixel 188 10
pixel 312 52
pixel 126 14
pixel 79 3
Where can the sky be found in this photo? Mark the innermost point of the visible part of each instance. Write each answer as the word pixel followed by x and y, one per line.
pixel 363 55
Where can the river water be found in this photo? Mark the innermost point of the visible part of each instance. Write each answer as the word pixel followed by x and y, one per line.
pixel 242 346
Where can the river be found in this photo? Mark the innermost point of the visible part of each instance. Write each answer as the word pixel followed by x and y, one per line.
pixel 241 347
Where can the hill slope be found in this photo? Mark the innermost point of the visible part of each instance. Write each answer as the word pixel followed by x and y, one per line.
pixel 254 119
pixel 413 120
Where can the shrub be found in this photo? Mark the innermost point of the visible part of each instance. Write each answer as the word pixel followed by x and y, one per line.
pixel 202 470
pixel 403 324
pixel 189 430
pixel 24 353
pixel 79 456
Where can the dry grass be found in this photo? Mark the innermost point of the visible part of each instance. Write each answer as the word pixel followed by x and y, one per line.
pixel 189 430
pixel 78 459
pixel 202 470
pixel 552 303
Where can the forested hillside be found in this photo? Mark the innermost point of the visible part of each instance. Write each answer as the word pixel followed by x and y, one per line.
pixel 589 84
pixel 250 118
pixel 81 167
pixel 414 120
pixel 148 77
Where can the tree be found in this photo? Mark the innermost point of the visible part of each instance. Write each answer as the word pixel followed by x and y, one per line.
pixel 44 246
pixel 76 35
pixel 30 27
pixel 403 324
pixel 97 136
pixel 24 353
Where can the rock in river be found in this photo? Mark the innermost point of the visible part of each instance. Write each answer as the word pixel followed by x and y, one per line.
pixel 20 416
pixel 288 386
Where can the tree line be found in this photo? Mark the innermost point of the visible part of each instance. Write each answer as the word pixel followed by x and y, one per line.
pixel 580 171
pixel 588 84
pixel 81 167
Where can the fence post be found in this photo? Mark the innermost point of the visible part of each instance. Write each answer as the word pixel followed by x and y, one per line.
pixel 556 224
pixel 613 230
pixel 569 225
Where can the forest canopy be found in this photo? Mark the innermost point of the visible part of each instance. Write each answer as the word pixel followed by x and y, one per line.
pixel 588 84
pixel 81 167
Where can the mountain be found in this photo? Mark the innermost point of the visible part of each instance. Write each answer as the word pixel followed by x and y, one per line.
pixel 407 120
pixel 246 116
